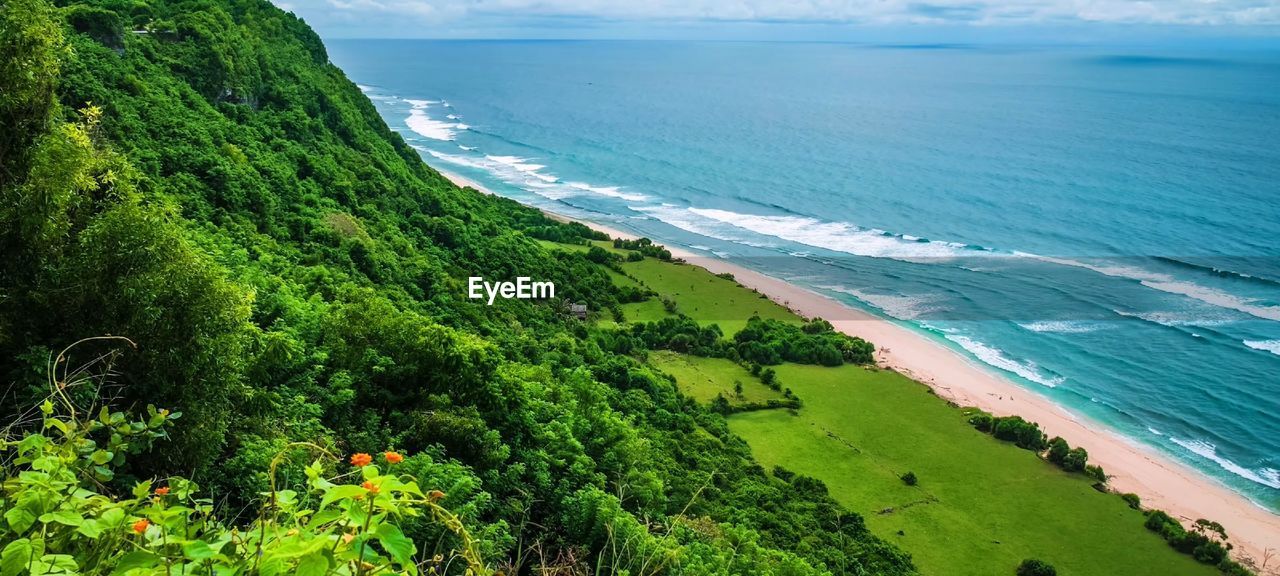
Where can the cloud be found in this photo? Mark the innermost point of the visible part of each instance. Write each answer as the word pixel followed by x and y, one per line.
pixel 428 17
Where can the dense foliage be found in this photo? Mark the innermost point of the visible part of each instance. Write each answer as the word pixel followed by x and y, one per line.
pixel 762 342
pixel 195 175
pixel 59 521
pixel 1206 541
pixel 767 341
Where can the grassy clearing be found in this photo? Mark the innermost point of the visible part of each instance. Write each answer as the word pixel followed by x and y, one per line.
pixel 705 378
pixel 703 296
pixel 981 506
pixel 650 310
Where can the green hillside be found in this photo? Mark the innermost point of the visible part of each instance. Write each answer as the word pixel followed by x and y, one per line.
pixel 235 338
pixel 196 176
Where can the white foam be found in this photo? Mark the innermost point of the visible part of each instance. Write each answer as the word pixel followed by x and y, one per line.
pixel 1216 298
pixel 527 175
pixel 467 148
pixel 838 236
pixel 900 307
pixel 1171 285
pixel 996 357
pixel 1063 326
pixel 424 125
pixel 364 88
pixel 1154 431
pixel 1263 476
pixel 685 220
pixel 1175 319
pixel 1272 346
pixel 610 191
pixel 453 117
pixel 517 162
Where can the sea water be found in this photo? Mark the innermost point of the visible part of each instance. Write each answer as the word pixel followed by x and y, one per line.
pixel 1100 226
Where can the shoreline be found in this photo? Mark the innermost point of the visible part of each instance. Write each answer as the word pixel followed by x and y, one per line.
pixel 1161 482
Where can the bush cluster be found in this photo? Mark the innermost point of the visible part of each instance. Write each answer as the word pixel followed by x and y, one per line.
pixel 644 247
pixel 816 342
pixel 1206 541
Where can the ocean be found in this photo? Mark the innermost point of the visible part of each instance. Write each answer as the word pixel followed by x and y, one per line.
pixel 1100 226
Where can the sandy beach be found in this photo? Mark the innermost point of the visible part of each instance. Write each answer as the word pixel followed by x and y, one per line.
pixel 1161 482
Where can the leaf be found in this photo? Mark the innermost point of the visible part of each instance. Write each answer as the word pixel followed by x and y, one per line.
pixel 90 528
pixel 271 566
pixel 56 423
pixel 19 519
pixel 142 490
pixel 111 517
pixel 340 492
pixel 198 550
pixel 55 563
pixel 103 473
pixel 101 457
pixel 133 561
pixel 396 543
pixel 65 517
pixel 314 564
pixel 15 557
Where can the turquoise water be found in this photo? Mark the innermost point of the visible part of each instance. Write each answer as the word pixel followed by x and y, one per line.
pixel 1102 228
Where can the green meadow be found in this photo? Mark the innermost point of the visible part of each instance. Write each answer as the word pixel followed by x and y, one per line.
pixel 705 378
pixel 700 295
pixel 981 506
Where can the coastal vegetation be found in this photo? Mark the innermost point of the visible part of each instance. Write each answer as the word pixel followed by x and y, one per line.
pixel 279 268
pixel 194 175
pixel 58 520
pixel 977 505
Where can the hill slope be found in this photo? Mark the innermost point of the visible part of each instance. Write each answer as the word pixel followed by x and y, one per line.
pixel 196 176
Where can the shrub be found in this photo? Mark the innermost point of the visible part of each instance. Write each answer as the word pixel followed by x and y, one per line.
pixel 1096 472
pixel 1133 500
pixel 1032 567
pixel 770 378
pixel 1157 519
pixel 600 255
pixel 61 519
pixel 1075 460
pixel 1058 449
pixel 983 422
pixel 910 479
pixel 1021 432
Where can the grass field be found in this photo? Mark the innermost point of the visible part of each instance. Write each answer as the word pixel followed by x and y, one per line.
pixel 705 378
pixel 981 506
pixel 703 296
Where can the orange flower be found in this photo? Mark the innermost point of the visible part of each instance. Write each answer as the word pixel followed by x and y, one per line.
pixel 370 486
pixel 162 491
pixel 393 457
pixel 435 495
pixel 361 459
pixel 141 525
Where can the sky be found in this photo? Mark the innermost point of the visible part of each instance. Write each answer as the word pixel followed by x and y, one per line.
pixel 1066 21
